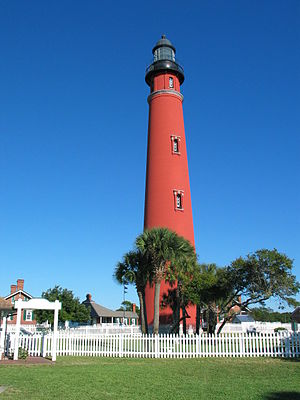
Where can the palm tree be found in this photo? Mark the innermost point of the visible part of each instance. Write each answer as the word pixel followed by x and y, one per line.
pixel 164 251
pixel 133 269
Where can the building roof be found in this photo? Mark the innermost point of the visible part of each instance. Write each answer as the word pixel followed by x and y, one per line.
pixel 16 292
pixel 296 314
pixel 99 311
pixel 238 319
pixel 163 42
pixel 5 305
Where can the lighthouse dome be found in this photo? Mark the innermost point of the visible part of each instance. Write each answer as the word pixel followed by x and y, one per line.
pixel 163 42
pixel 163 50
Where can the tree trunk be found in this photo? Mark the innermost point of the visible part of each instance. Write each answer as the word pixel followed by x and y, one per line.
pixel 197 319
pixel 156 307
pixel 184 319
pixel 142 314
pixel 145 312
pixel 221 326
pixel 177 309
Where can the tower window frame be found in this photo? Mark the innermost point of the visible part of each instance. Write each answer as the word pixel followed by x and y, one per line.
pixel 178 199
pixel 171 82
pixel 175 144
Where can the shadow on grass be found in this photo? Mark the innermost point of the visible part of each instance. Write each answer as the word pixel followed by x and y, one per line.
pixel 282 396
pixel 290 359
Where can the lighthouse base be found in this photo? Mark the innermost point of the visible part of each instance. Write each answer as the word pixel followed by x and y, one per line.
pixel 167 313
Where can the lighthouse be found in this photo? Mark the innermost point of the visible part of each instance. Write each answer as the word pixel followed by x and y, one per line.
pixel 167 198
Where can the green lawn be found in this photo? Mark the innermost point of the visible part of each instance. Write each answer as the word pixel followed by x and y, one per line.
pixel 88 378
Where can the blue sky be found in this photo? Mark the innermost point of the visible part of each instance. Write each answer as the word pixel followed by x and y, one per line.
pixel 73 126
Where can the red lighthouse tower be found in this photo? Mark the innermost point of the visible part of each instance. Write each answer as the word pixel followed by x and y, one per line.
pixel 168 197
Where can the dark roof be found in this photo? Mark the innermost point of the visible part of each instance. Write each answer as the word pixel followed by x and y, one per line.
pixel 243 318
pixel 5 305
pixel 99 311
pixel 128 314
pixel 296 314
pixel 163 42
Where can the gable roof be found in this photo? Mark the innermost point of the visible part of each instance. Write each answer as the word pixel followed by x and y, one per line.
pixel 99 311
pixel 16 292
pixel 243 318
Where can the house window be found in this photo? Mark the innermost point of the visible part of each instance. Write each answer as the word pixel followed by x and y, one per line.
pixel 133 321
pixel 28 316
pixel 175 142
pixel 171 83
pixel 178 199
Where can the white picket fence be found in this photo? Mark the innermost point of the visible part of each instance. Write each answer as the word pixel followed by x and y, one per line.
pixel 279 344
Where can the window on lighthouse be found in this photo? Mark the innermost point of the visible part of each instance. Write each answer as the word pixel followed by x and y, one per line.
pixel 175 145
pixel 171 83
pixel 178 197
pixel 175 142
pixel 178 200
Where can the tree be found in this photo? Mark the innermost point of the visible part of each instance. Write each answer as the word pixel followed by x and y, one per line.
pixel 206 290
pixel 257 278
pixel 128 306
pixel 134 269
pixel 176 297
pixel 165 252
pixel 71 310
pixel 265 314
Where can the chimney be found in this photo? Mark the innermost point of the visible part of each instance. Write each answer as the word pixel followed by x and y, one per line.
pixel 13 288
pixel 88 297
pixel 20 284
pixel 133 307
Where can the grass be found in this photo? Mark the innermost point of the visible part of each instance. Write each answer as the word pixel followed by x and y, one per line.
pixel 112 378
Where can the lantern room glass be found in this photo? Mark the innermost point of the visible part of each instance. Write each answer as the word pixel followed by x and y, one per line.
pixel 164 53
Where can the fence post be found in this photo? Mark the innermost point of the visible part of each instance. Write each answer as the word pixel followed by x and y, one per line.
pixel 156 345
pixel 121 345
pixel 43 346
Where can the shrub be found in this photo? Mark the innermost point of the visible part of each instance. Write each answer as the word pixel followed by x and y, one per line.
pixel 23 353
pixel 279 329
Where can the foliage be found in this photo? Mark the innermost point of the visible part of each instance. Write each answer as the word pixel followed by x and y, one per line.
pixel 128 306
pixel 250 280
pixel 265 314
pixel 167 255
pixel 255 279
pixel 280 329
pixel 72 309
pixel 22 353
pixel 134 269
pixel 207 289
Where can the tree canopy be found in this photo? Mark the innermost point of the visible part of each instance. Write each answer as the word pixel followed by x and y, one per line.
pixel 167 254
pixel 72 309
pixel 256 278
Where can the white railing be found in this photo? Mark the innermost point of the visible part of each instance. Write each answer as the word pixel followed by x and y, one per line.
pixel 106 329
pixel 23 327
pixel 267 327
pixel 281 344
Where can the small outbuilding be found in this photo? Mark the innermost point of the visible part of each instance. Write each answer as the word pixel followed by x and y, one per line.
pixel 242 318
pixel 102 315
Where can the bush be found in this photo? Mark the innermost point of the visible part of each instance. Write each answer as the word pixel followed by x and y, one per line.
pixel 279 329
pixel 23 353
